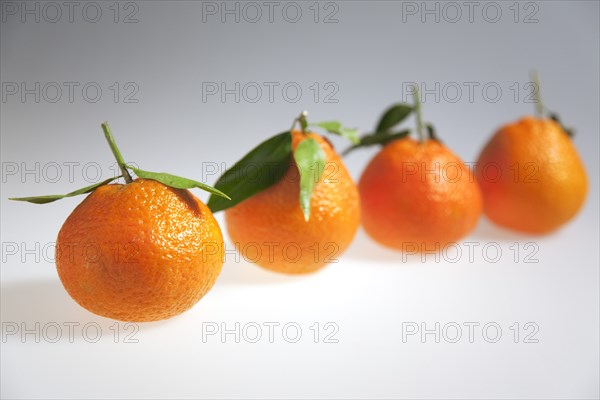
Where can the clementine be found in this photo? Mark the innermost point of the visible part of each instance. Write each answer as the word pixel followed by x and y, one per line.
pixel 531 176
pixel 143 251
pixel 270 229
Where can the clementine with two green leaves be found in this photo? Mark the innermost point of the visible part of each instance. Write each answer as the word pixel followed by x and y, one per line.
pixel 142 251
pixel 300 209
pixel 409 199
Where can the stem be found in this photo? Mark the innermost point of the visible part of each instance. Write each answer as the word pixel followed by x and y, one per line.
pixel 115 150
pixel 419 117
pixel 301 119
pixel 539 105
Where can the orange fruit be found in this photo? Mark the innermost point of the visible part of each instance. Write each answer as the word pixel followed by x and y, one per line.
pixel 269 228
pixel 418 196
pixel 139 252
pixel 531 176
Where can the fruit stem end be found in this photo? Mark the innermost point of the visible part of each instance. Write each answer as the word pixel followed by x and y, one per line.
pixel 115 150
pixel 301 119
pixel 419 117
pixel 539 105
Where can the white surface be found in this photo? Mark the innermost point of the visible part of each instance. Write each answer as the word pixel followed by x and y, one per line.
pixel 368 295
pixel 372 293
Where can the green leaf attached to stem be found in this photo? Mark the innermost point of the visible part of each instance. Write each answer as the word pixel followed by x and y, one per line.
pixel 176 182
pixel 262 167
pixel 336 128
pixel 164 178
pixel 381 138
pixel 310 159
pixel 393 116
pixel 268 162
pixel 54 197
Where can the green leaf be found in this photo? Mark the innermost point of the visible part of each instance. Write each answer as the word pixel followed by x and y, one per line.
pixel 329 125
pixel 256 171
pixel 176 181
pixel 381 138
pixel 569 131
pixel 54 197
pixel 310 159
pixel 393 116
pixel 432 133
pixel 336 128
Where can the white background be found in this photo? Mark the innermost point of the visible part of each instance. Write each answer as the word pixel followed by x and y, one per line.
pixel 372 294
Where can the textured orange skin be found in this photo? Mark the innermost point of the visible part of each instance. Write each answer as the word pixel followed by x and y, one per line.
pixel 407 206
pixel 139 252
pixel 543 183
pixel 272 220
